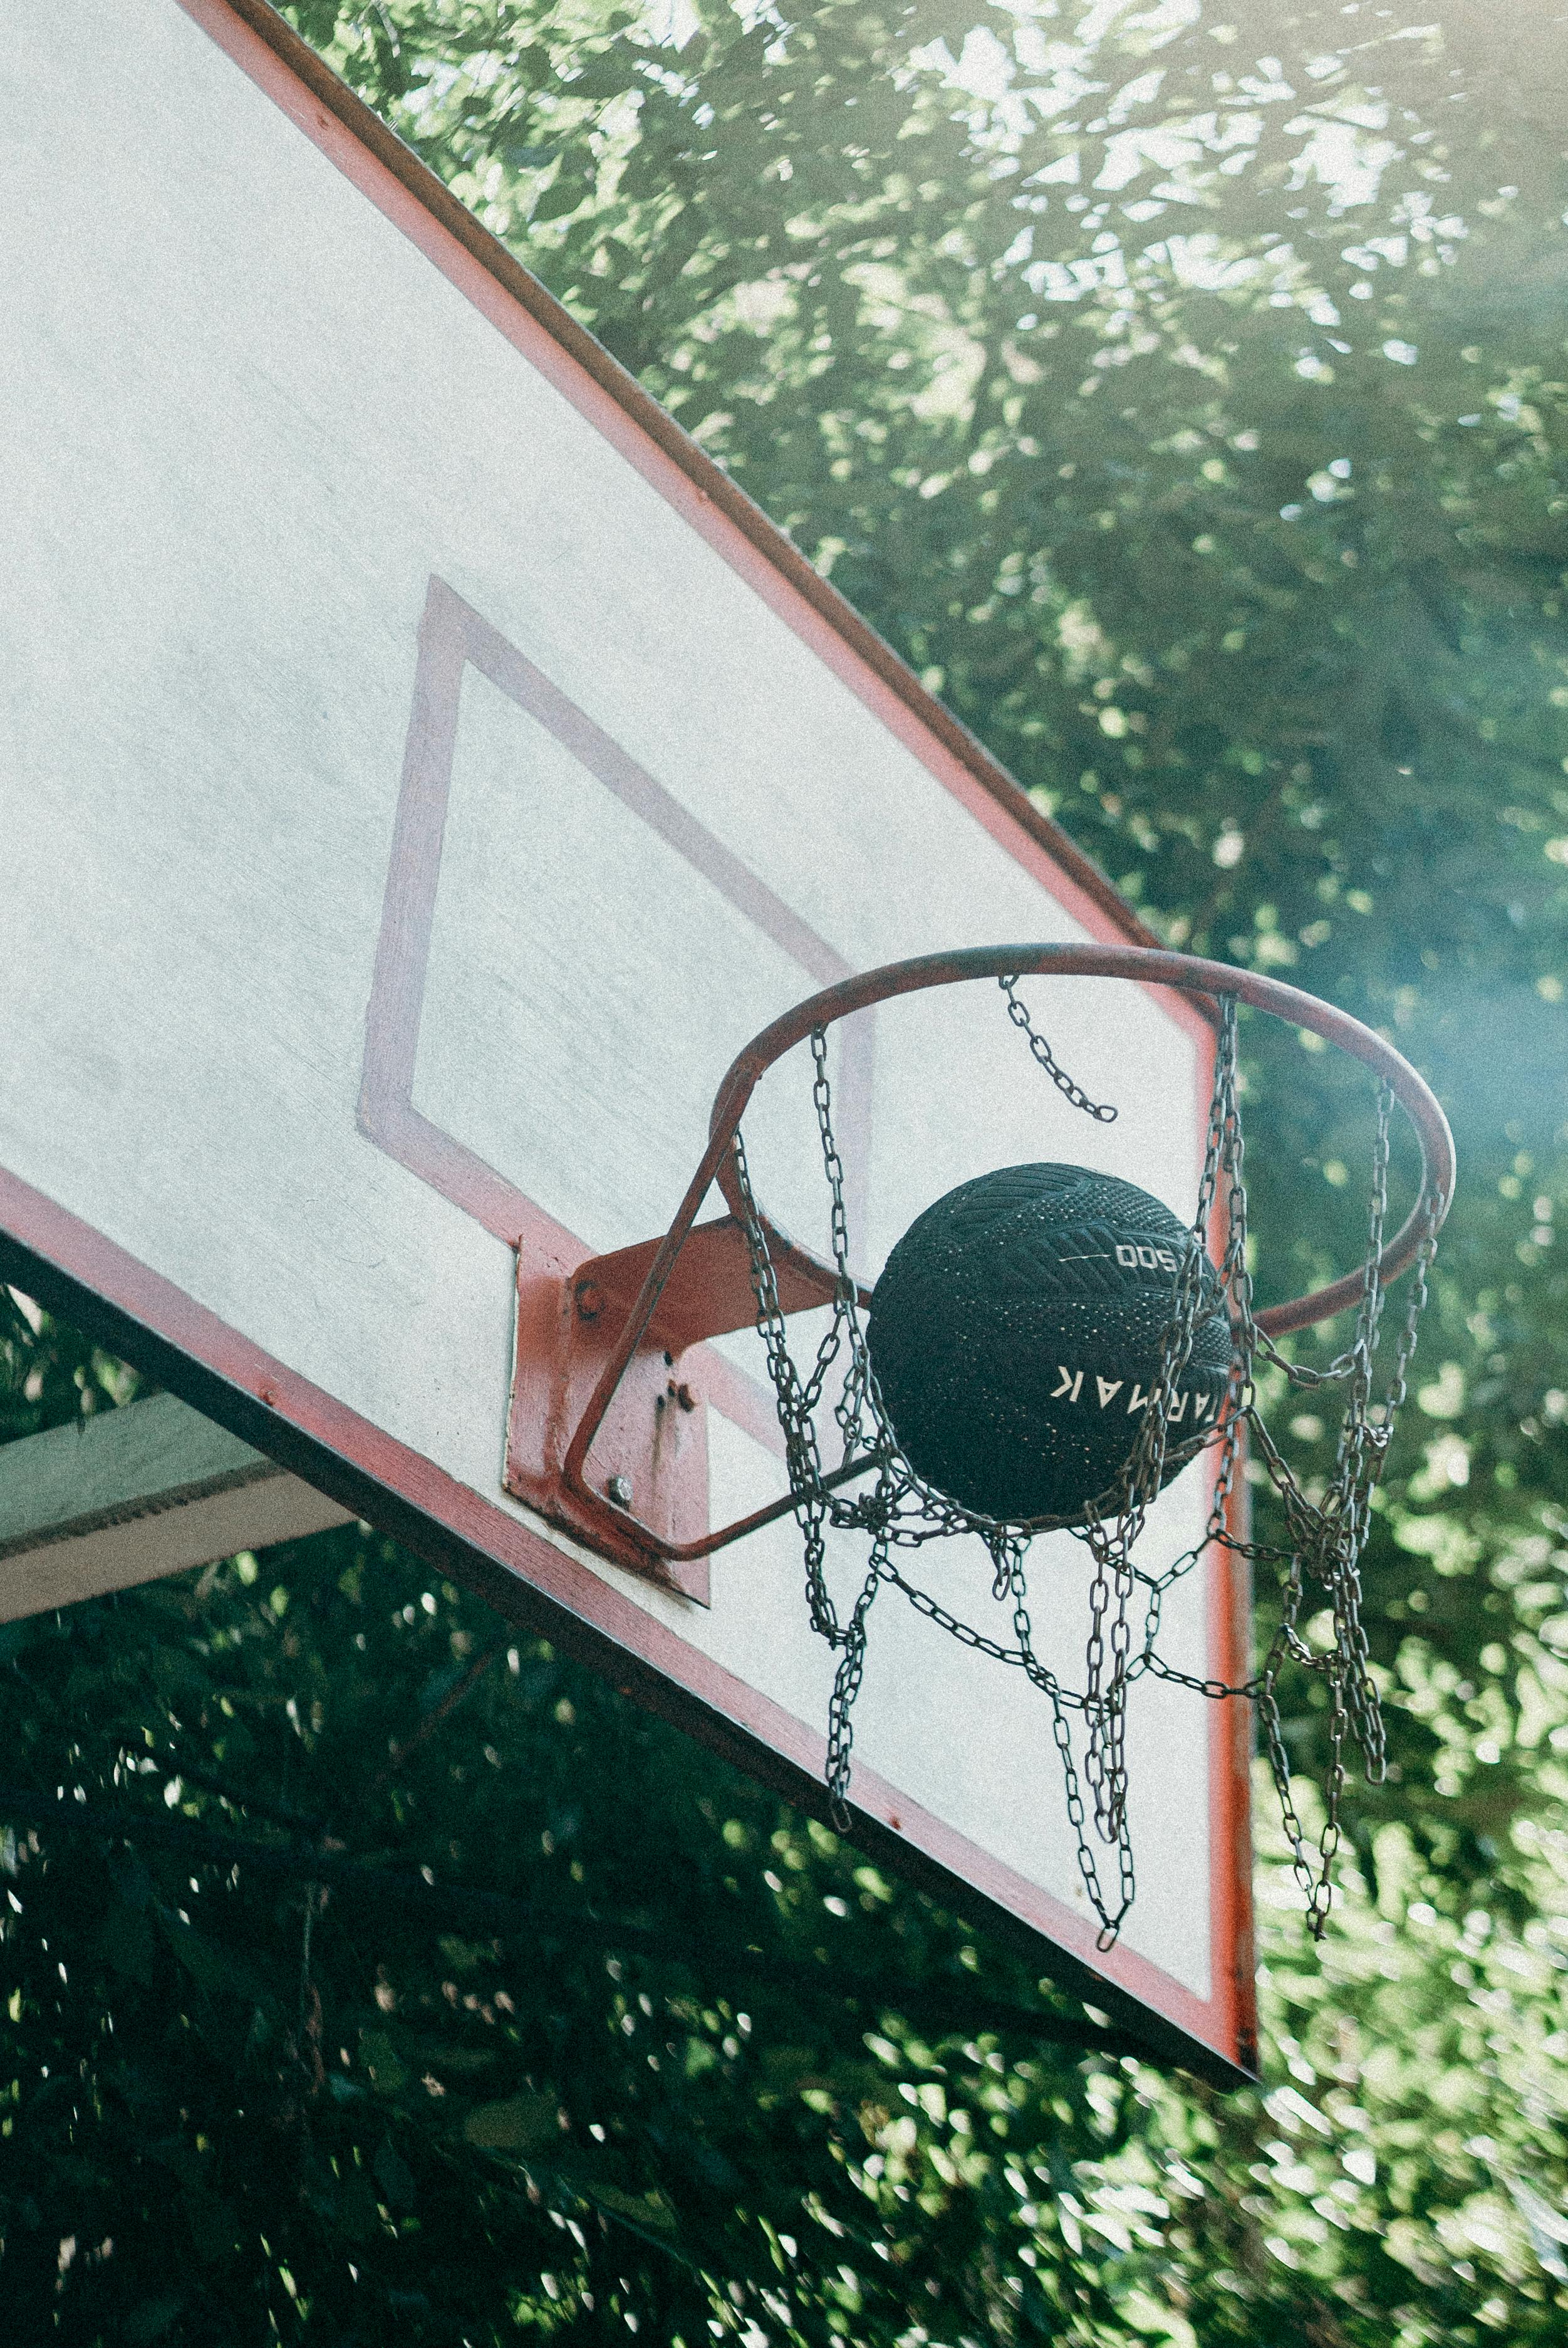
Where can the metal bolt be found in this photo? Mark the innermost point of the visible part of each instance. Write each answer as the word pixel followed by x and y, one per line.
pixel 589 1301
pixel 620 1491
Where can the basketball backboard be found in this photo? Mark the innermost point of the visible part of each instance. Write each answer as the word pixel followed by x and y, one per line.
pixel 424 770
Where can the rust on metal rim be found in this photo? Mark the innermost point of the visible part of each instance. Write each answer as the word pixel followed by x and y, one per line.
pixel 1191 974
pixel 1145 965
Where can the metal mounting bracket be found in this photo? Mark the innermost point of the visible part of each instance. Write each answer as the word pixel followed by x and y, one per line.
pixel 642 1498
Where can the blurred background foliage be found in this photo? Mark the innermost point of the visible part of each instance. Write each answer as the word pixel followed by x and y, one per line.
pixel 1181 390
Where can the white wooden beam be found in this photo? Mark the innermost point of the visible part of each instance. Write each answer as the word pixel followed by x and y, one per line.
pixel 131 1495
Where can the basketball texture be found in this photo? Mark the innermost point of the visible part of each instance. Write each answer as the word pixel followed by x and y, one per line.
pixel 1015 1331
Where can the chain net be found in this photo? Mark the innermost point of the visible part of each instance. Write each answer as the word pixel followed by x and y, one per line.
pixel 831 1400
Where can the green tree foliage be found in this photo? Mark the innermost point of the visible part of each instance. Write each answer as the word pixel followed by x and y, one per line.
pixel 1184 395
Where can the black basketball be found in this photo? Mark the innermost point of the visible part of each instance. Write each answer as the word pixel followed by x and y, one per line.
pixel 1015 1331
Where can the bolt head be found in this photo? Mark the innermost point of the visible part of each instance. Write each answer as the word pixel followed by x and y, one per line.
pixel 620 1491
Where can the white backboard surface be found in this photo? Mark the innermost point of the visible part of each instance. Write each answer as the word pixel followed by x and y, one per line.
pixel 421 773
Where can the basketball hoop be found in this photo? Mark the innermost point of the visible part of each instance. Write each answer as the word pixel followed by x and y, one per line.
pixel 877 1490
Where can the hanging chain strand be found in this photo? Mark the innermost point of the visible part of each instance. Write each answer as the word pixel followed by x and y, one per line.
pixel 1318 1557
pixel 1100 1110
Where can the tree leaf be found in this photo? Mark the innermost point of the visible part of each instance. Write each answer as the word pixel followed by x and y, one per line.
pixel 520 2124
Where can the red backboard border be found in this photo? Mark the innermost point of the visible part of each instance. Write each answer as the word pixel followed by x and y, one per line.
pixel 77 1272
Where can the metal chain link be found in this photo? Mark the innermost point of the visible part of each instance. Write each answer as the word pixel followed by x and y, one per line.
pixel 1324 1535
pixel 1102 1110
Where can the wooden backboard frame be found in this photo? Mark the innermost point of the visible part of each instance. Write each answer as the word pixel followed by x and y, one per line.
pixel 77 1272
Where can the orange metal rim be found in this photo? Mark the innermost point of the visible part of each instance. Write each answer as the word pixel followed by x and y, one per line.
pixel 1148 966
